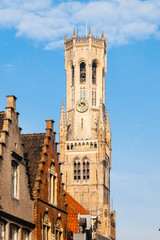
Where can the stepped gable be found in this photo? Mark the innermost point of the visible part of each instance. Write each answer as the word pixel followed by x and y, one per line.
pixel 2 116
pixel 33 144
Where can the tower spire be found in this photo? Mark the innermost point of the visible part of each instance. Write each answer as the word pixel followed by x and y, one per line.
pixel 101 115
pixel 62 117
pixel 74 33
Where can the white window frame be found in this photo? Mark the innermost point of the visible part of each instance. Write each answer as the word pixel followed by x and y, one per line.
pixel 52 185
pixel 14 179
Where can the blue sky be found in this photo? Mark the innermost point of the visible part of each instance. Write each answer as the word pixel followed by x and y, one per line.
pixel 32 68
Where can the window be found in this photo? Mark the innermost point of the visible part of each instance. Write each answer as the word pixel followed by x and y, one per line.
pixel 52 185
pixel 72 75
pixel 82 72
pixel 46 230
pixel 46 227
pixel 94 72
pixel 59 230
pixel 13 235
pixel 77 170
pixel 2 231
pixel 14 179
pixel 94 97
pixel 82 94
pixel 86 169
pixel 25 235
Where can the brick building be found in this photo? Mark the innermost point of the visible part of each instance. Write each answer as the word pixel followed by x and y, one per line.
pixel 15 221
pixel 50 216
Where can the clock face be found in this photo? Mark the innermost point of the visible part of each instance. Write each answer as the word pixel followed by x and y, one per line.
pixel 82 106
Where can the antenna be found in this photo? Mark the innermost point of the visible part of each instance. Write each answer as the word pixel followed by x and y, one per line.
pixel 86 27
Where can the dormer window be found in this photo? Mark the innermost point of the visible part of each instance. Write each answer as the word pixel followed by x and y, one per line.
pixel 82 72
pixel 94 72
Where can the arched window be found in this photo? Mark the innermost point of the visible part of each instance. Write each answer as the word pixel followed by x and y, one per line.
pixel 77 170
pixel 46 227
pixel 94 72
pixel 52 184
pixel 59 230
pixel 86 170
pixel 72 75
pixel 14 179
pixel 82 72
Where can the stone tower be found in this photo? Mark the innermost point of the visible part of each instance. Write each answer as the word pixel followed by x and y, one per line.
pixel 84 129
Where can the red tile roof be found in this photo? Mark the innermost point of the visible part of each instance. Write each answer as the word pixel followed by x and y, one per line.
pixel 73 209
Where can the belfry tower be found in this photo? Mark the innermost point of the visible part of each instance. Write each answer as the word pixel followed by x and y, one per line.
pixel 84 129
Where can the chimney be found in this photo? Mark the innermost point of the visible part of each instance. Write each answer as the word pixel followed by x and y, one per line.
pixel 11 101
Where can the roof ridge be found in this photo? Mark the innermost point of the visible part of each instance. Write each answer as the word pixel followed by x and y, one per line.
pixel 29 134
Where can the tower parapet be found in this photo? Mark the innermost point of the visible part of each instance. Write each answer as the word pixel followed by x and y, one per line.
pixel 84 40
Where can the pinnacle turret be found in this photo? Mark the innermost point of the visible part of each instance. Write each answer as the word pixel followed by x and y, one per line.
pixel 101 123
pixel 63 119
pixel 108 130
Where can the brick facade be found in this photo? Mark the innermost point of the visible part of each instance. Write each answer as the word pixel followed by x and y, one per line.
pixel 41 152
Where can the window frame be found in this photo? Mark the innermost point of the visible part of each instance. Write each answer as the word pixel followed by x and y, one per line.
pixel 14 179
pixel 94 68
pixel 86 169
pixel 82 68
pixel 13 227
pixel 3 230
pixel 77 170
pixel 52 184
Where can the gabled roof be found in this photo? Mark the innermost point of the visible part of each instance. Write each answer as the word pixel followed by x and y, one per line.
pixel 2 116
pixel 73 209
pixel 73 206
pixel 32 151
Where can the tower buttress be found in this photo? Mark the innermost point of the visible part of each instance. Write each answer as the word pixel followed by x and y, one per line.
pixel 101 132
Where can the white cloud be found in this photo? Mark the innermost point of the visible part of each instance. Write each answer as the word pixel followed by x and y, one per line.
pixel 7 67
pixel 42 20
